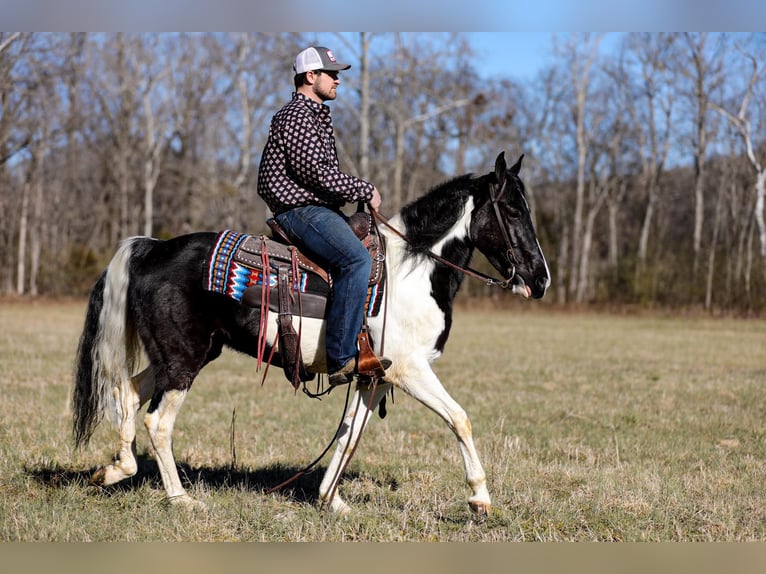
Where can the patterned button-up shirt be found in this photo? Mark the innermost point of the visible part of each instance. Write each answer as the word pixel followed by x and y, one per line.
pixel 299 165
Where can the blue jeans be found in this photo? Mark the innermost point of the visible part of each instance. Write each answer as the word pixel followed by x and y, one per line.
pixel 325 236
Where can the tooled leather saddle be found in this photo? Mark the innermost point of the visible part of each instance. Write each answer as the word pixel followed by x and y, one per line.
pixel 272 275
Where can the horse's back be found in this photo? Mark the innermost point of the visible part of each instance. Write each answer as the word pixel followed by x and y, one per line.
pixel 167 276
pixel 170 256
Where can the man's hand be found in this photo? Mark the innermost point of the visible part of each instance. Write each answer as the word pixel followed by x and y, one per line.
pixel 375 200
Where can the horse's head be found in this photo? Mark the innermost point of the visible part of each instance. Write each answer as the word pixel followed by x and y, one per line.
pixel 502 229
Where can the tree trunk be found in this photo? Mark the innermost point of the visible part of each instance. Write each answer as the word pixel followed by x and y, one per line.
pixel 364 107
pixel 21 254
pixel 711 275
pixel 760 201
pixel 580 70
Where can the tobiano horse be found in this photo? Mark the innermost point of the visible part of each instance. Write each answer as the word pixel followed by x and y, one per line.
pixel 151 300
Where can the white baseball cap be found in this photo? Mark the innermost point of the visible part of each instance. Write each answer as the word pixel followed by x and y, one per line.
pixel 317 58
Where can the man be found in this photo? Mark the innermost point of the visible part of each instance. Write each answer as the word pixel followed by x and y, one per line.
pixel 300 180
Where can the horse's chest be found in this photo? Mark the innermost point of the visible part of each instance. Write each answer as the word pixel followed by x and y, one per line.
pixel 418 317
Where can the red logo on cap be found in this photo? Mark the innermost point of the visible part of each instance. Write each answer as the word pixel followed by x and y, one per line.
pixel 329 55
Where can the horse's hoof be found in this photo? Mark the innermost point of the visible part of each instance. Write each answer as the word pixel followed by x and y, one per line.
pixel 98 478
pixel 188 503
pixel 112 474
pixel 479 508
pixel 338 507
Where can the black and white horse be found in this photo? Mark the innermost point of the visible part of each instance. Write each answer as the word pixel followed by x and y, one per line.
pixel 151 299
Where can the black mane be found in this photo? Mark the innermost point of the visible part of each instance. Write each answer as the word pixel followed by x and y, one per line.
pixel 429 217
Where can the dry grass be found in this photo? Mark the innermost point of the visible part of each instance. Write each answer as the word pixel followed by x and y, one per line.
pixel 591 427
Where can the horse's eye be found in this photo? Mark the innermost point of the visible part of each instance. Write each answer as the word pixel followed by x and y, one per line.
pixel 513 212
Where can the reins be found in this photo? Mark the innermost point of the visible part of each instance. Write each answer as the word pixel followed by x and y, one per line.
pixel 342 468
pixel 318 395
pixel 468 271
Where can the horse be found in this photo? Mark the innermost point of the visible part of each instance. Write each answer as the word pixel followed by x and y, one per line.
pixel 150 302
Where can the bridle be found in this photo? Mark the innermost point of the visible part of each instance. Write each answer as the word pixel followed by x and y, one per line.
pixel 494 197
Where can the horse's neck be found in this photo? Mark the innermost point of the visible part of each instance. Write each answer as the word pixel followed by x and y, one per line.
pixel 454 246
pixel 458 231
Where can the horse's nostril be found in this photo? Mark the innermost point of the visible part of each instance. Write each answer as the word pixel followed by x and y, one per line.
pixel 541 282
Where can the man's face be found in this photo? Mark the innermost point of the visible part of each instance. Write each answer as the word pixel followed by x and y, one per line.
pixel 325 84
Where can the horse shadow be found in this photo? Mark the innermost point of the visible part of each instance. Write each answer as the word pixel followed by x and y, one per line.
pixel 302 488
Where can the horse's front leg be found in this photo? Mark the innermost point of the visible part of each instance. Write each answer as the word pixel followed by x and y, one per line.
pixel 364 402
pixel 426 388
pixel 131 397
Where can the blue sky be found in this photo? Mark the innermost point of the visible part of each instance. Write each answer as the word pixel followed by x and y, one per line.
pixel 521 54
pixel 518 55
pixel 391 15
pixel 510 36
pixel 515 54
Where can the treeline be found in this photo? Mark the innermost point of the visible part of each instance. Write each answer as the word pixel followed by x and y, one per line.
pixel 645 164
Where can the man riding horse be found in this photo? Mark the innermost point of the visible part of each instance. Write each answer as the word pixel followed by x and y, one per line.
pixel 300 180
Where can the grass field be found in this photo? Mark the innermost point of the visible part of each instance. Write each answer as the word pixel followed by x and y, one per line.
pixel 590 427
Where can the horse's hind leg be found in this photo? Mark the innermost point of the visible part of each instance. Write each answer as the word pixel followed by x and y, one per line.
pixel 124 464
pixel 159 421
pixel 361 408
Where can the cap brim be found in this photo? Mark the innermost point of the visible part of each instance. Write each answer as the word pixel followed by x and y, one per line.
pixel 337 67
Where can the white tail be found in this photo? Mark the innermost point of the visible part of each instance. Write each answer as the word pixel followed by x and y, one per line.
pixel 117 349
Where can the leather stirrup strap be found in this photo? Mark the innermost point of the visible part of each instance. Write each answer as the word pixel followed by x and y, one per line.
pixel 289 342
pixel 265 296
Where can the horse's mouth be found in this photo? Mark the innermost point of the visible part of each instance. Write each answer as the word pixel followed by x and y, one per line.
pixel 519 287
pixel 516 283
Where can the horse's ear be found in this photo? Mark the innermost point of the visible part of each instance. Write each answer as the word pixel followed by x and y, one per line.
pixel 516 167
pixel 500 168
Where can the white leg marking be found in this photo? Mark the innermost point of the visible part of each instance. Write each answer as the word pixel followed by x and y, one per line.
pixel 360 410
pixel 426 388
pixel 132 396
pixel 160 423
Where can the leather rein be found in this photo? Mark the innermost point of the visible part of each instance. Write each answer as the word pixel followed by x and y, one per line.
pixel 468 271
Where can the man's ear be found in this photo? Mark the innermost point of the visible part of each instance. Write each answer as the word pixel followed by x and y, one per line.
pixel 311 77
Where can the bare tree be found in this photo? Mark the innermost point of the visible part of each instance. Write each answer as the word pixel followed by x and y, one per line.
pixel 702 65
pixel 650 105
pixel 606 180
pixel 152 72
pixel 45 122
pixel 13 48
pixel 740 119
pixel 15 136
pixel 412 104
pixel 580 53
pixel 116 89
pixel 103 135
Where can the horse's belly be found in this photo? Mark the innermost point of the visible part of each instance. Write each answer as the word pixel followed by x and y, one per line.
pixel 312 342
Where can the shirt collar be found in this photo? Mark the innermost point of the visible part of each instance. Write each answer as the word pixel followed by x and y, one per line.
pixel 317 107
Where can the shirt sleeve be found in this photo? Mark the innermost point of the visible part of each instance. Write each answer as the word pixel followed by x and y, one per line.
pixel 312 157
